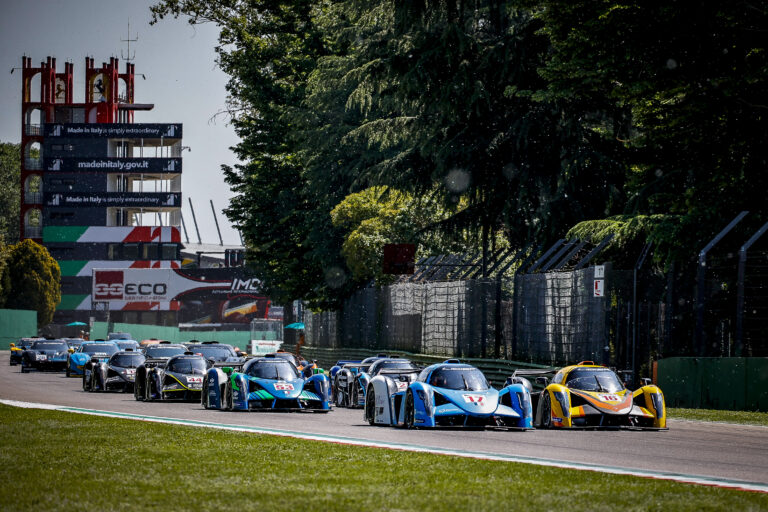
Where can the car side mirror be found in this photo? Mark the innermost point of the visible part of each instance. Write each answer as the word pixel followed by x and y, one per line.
pixel 227 370
pixel 94 359
pixel 646 381
pixel 542 380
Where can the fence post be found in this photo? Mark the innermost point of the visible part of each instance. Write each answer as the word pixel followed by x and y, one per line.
pixel 739 341
pixel 699 337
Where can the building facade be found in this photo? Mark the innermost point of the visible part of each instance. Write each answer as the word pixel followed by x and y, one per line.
pixel 98 189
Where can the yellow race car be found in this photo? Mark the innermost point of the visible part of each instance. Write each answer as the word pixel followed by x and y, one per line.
pixel 588 395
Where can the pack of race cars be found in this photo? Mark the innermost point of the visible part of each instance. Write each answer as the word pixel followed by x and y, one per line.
pixel 391 391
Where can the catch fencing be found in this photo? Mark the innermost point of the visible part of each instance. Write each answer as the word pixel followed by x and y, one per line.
pixel 548 318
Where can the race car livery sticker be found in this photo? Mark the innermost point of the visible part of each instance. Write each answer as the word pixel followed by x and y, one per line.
pixel 195 380
pixel 609 398
pixel 130 371
pixel 402 386
pixel 477 399
pixel 283 386
pixel 41 357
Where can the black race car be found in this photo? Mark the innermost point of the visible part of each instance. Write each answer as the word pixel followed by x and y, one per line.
pixel 118 373
pixel 215 352
pixel 180 377
pixel 351 381
pixel 19 347
pixel 154 355
pixel 45 355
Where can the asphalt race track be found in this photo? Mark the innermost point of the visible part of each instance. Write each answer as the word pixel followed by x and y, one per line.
pixel 711 450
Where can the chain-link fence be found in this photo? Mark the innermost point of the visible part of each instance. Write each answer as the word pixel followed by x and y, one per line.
pixel 548 318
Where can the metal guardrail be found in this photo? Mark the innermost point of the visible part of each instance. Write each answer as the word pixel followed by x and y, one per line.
pixel 495 370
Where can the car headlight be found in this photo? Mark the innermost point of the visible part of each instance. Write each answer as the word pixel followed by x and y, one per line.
pixel 565 405
pixel 658 403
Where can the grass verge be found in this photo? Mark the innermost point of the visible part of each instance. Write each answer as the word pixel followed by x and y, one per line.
pixel 738 417
pixel 55 460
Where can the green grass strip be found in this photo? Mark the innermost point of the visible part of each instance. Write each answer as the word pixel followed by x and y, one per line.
pixel 53 460
pixel 736 417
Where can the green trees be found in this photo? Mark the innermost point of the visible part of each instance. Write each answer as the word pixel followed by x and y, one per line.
pixel 9 191
pixel 30 280
pixel 519 117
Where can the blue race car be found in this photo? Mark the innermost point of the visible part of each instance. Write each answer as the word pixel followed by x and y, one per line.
pixel 45 355
pixel 81 357
pixel 127 345
pixel 448 394
pixel 265 383
pixel 350 382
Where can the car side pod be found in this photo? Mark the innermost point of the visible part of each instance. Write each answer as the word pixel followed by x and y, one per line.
pixel 555 407
pixel 520 402
pixel 651 398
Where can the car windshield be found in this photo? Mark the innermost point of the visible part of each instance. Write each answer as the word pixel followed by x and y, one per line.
pixel 469 379
pixel 163 351
pixel 594 379
pixel 127 360
pixel 218 352
pixel 99 348
pixel 127 344
pixel 188 365
pixel 58 346
pixel 287 356
pixel 274 369
pixel 119 336
pixel 391 365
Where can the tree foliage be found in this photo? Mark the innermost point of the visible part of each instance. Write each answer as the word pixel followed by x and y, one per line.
pixel 521 117
pixel 10 168
pixel 33 280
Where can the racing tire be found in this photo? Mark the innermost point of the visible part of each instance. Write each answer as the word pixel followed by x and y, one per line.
pixel 68 371
pixel 408 421
pixel 23 368
pixel 546 411
pixel 230 406
pixel 338 397
pixel 85 385
pixel 148 397
pixel 92 387
pixel 204 399
pixel 370 406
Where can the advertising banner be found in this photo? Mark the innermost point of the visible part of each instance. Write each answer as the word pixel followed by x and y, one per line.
pixel 210 295
pixel 106 199
pixel 116 165
pixel 146 131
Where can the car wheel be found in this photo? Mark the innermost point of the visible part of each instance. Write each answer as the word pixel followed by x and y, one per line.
pixel 546 411
pixel 85 383
pixel 204 399
pixel 68 371
pixel 409 410
pixel 229 406
pixel 23 367
pixel 370 406
pixel 354 395
pixel 148 396
pixel 338 396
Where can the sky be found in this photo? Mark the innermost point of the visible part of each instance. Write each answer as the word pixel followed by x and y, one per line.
pixel 182 81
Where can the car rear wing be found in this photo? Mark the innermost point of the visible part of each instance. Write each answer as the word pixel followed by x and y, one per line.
pixel 395 371
pixel 155 361
pixel 236 366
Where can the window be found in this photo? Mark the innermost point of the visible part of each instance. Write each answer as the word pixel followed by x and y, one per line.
pixel 131 251
pixel 113 251
pixel 149 251
pixel 169 252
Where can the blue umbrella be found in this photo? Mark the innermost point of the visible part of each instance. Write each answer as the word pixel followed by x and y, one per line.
pixel 295 325
pixel 73 324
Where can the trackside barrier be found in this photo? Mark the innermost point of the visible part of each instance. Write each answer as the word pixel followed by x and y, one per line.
pixel 726 383
pixel 15 324
pixel 141 332
pixel 495 370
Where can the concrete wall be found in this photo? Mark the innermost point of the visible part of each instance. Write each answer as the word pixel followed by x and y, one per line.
pixel 15 324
